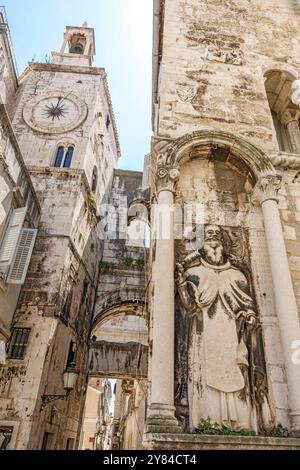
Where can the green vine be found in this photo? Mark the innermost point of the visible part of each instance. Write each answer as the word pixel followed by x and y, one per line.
pixel 131 263
pixel 91 207
pixel 279 431
pixel 206 427
pixel 106 268
pixel 209 428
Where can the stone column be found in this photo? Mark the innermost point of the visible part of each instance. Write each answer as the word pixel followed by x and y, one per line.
pixel 290 119
pixel 161 412
pixel 285 302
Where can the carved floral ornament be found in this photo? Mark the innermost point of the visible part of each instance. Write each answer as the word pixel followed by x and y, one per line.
pixel 167 177
pixel 267 188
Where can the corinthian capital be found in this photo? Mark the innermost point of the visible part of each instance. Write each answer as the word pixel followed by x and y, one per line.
pixel 167 177
pixel 267 188
pixel 290 115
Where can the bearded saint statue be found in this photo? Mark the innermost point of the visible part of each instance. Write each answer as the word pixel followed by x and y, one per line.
pixel 226 368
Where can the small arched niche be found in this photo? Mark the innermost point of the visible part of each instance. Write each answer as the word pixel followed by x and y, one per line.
pixel 285 113
pixel 217 182
pixel 77 43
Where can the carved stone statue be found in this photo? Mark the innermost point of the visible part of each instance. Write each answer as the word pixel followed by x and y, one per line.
pixel 226 368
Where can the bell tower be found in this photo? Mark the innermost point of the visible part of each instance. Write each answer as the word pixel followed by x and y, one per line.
pixel 78 47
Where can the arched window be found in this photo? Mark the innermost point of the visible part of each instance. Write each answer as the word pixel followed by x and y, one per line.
pixel 280 93
pixel 283 139
pixel 64 156
pixel 68 157
pixel 59 157
pixel 94 179
pixel 77 49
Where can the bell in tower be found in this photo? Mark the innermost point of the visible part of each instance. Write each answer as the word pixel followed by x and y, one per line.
pixel 78 47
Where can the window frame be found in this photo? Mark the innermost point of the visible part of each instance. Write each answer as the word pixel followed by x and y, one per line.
pixel 23 345
pixel 67 148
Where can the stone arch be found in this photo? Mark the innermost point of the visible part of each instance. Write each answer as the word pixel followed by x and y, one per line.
pixel 199 144
pixel 128 301
pixel 119 343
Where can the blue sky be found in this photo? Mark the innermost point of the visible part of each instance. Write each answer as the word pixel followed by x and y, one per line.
pixel 123 31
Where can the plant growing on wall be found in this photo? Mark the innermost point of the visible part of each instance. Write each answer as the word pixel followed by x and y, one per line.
pixel 91 207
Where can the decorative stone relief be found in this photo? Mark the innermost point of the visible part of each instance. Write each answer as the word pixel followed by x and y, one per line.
pixel 267 188
pixel 217 47
pixel 186 93
pixel 167 177
pixel 220 340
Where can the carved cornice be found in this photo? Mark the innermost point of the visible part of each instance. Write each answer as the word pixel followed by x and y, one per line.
pixel 285 160
pixel 267 188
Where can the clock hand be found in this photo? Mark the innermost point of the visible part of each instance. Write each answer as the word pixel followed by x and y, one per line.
pixel 61 99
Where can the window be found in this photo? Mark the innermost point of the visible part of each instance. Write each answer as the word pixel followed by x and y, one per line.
pixel 19 342
pixel 283 139
pixel 84 293
pixel 12 233
pixel 70 444
pixel 59 157
pixel 67 305
pixel 16 248
pixel 282 94
pixel 94 179
pixel 68 159
pixel 107 121
pixel 71 354
pixel 46 441
pixel 5 436
pixel 64 156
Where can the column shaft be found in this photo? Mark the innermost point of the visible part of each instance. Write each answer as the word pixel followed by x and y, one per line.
pixel 285 302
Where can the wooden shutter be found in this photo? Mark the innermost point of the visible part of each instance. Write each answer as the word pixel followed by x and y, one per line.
pixel 20 262
pixel 11 236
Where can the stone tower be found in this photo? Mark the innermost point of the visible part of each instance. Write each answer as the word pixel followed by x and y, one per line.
pixel 66 130
pixel 226 152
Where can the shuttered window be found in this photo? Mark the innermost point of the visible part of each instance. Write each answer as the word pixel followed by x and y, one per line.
pixel 19 342
pixel 21 259
pixel 11 236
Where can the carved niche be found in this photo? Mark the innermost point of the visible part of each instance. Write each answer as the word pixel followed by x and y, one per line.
pixel 220 372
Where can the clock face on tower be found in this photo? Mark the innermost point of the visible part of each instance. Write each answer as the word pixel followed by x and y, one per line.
pixel 55 112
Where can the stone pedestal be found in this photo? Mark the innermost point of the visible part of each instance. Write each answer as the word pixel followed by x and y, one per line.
pixel 205 442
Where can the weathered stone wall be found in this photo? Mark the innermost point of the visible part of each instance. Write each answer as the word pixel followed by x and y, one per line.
pixel 8 72
pixel 215 56
pixel 123 267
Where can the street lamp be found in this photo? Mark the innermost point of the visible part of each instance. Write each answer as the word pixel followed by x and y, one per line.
pixel 70 378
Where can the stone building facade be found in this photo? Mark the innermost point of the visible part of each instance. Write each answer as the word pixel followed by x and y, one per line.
pixel 64 125
pixel 221 72
pixel 19 205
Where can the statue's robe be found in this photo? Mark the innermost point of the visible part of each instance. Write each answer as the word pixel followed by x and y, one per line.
pixel 218 358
